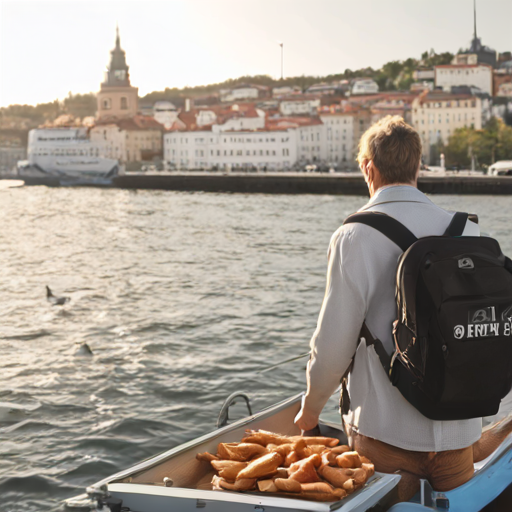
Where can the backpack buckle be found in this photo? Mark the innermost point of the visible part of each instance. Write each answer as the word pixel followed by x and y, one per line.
pixel 466 264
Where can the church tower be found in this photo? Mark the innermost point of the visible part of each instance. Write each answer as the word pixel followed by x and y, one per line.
pixel 117 98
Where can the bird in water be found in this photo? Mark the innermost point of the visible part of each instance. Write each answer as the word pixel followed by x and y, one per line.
pixel 83 350
pixel 56 301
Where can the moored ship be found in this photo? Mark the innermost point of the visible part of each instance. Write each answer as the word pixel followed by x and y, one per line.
pixel 66 156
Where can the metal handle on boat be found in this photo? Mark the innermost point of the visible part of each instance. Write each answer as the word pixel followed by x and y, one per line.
pixel 223 418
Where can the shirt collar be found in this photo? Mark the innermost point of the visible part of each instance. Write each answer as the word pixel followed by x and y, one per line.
pixel 397 193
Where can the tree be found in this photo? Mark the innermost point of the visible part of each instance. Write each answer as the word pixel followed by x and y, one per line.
pixel 496 141
pixel 488 145
pixel 80 105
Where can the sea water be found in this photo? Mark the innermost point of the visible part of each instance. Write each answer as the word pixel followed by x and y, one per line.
pixel 182 298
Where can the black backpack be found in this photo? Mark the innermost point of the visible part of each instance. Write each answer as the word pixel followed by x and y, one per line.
pixel 453 333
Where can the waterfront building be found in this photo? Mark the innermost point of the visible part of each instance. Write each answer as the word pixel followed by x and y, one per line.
pixel 478 75
pixel 339 137
pixel 436 115
pixel 242 140
pixel 362 121
pixel 129 140
pixel 299 104
pixel 231 150
pixel 311 140
pixel 117 98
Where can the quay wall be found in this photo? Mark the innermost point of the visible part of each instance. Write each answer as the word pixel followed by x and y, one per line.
pixel 278 183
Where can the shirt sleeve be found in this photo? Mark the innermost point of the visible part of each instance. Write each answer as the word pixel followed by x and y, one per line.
pixel 343 311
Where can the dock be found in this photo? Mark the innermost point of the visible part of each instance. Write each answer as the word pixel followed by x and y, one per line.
pixel 288 183
pixel 305 183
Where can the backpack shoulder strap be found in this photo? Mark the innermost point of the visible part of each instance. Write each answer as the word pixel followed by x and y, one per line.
pixel 402 237
pixel 385 361
pixel 387 225
pixel 457 224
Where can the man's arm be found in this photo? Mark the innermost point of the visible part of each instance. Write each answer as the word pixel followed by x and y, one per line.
pixel 343 312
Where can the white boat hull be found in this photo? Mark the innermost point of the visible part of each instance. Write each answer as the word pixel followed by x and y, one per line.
pixel 142 488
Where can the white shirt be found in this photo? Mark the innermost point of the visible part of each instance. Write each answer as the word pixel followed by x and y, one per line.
pixel 361 285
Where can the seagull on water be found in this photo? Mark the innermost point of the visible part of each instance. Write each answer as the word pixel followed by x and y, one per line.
pixel 56 301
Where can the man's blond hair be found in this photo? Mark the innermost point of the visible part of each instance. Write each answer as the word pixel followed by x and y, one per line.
pixel 394 147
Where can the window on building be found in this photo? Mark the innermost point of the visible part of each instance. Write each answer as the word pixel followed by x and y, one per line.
pixel 124 103
pixel 106 103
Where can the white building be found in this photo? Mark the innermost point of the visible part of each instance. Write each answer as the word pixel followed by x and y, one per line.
pixel 165 113
pixel 241 92
pixel 339 139
pixel 300 104
pixel 277 144
pixel 311 141
pixel 129 140
pixel 421 74
pixel 332 88
pixel 437 115
pixel 450 75
pixel 269 150
pixel 286 90
pixel 364 86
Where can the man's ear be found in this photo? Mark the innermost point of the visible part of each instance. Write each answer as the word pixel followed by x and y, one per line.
pixel 369 170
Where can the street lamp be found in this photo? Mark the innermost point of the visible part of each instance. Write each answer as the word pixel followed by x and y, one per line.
pixel 280 43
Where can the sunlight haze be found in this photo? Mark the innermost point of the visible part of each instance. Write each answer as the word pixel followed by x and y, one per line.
pixel 50 48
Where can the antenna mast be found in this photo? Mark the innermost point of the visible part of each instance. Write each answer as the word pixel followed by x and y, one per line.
pixel 474 10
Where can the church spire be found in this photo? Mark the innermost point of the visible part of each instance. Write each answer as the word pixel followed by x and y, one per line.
pixel 117 74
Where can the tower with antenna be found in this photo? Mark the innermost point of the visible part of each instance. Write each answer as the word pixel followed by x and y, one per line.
pixel 484 54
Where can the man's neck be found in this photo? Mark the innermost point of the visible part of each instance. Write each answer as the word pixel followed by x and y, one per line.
pixel 374 191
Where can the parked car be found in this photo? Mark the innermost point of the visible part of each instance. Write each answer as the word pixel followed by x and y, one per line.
pixel 501 168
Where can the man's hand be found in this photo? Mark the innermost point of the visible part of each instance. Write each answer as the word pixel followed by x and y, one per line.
pixel 306 420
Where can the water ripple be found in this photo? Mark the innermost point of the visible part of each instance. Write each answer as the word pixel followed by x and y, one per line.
pixel 182 298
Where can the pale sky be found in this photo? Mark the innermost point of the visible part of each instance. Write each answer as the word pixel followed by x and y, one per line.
pixel 48 48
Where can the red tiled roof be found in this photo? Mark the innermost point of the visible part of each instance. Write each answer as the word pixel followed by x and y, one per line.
pixel 292 122
pixel 443 96
pixel 135 123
